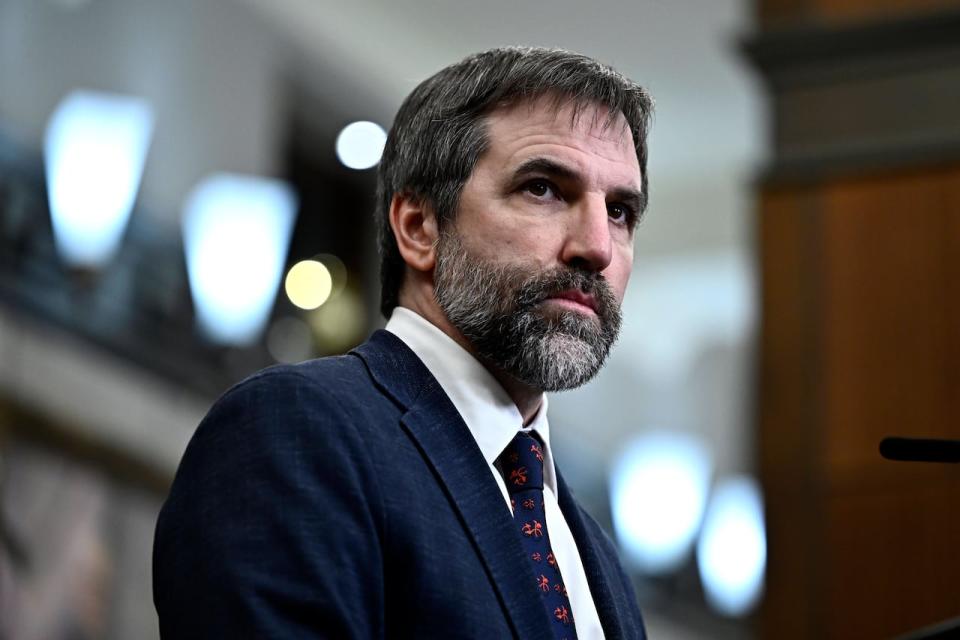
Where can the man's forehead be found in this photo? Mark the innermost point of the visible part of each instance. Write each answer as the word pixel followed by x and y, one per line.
pixel 547 125
pixel 566 133
pixel 568 112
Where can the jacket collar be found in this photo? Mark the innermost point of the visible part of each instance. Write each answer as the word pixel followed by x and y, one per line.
pixel 601 569
pixel 434 424
pixel 395 369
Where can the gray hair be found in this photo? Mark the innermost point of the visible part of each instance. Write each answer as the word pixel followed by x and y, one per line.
pixel 440 130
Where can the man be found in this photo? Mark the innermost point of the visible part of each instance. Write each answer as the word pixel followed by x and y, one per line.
pixel 408 489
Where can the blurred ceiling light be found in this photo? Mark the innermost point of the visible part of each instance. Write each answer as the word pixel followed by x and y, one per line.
pixel 94 151
pixel 732 551
pixel 236 232
pixel 658 491
pixel 308 284
pixel 360 144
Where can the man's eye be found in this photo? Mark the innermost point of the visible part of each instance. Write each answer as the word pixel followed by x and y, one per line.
pixel 539 188
pixel 619 213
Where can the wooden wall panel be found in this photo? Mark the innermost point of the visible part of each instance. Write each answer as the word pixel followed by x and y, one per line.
pixel 887 250
pixel 890 562
pixel 789 236
pixel 860 335
pixel 789 441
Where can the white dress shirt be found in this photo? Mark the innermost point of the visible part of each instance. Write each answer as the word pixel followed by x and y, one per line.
pixel 494 419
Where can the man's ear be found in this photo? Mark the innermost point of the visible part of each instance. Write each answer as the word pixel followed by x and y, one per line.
pixel 414 226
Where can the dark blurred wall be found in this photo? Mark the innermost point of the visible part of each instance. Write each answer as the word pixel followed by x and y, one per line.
pixel 859 252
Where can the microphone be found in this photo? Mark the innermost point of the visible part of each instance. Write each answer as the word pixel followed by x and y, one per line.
pixel 920 449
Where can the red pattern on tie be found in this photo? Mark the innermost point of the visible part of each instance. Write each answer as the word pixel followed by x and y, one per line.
pixel 521 464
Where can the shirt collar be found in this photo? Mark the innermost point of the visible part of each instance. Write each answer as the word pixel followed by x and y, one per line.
pixel 489 413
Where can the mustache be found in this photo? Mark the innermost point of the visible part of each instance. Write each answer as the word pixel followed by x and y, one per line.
pixel 541 286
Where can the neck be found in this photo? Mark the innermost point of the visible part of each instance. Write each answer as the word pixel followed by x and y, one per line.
pixel 528 399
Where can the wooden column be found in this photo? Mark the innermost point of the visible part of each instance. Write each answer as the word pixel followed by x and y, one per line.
pixel 859 255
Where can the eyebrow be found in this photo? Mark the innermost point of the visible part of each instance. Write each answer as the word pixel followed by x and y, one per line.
pixel 627 195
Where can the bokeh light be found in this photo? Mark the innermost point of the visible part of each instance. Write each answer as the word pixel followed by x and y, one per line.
pixel 340 324
pixel 338 271
pixel 308 284
pixel 658 491
pixel 732 550
pixel 360 144
pixel 94 152
pixel 236 234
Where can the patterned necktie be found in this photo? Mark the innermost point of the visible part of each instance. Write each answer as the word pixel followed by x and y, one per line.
pixel 521 464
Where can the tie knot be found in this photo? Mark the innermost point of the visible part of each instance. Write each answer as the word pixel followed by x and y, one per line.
pixel 521 464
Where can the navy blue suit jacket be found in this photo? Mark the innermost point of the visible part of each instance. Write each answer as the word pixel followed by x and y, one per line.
pixel 345 498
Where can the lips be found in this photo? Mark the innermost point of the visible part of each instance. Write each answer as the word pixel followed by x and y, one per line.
pixel 576 297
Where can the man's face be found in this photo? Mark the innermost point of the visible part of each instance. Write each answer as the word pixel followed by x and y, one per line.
pixel 534 268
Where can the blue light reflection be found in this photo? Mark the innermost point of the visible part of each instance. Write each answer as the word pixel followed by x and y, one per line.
pixel 94 151
pixel 732 551
pixel 236 232
pixel 658 491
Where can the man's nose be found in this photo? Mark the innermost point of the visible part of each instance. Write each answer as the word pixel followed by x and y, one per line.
pixel 588 243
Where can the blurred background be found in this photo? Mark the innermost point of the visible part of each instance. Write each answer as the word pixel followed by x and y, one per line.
pixel 186 192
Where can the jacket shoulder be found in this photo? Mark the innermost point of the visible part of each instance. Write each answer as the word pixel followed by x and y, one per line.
pixel 274 502
pixel 332 377
pixel 319 408
pixel 322 391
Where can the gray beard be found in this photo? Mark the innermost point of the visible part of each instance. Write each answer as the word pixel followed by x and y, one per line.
pixel 497 308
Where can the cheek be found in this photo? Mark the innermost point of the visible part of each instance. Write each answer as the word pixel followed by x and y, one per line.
pixel 526 242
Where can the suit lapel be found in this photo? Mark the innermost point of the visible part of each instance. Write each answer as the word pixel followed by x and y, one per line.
pixel 600 572
pixel 447 445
